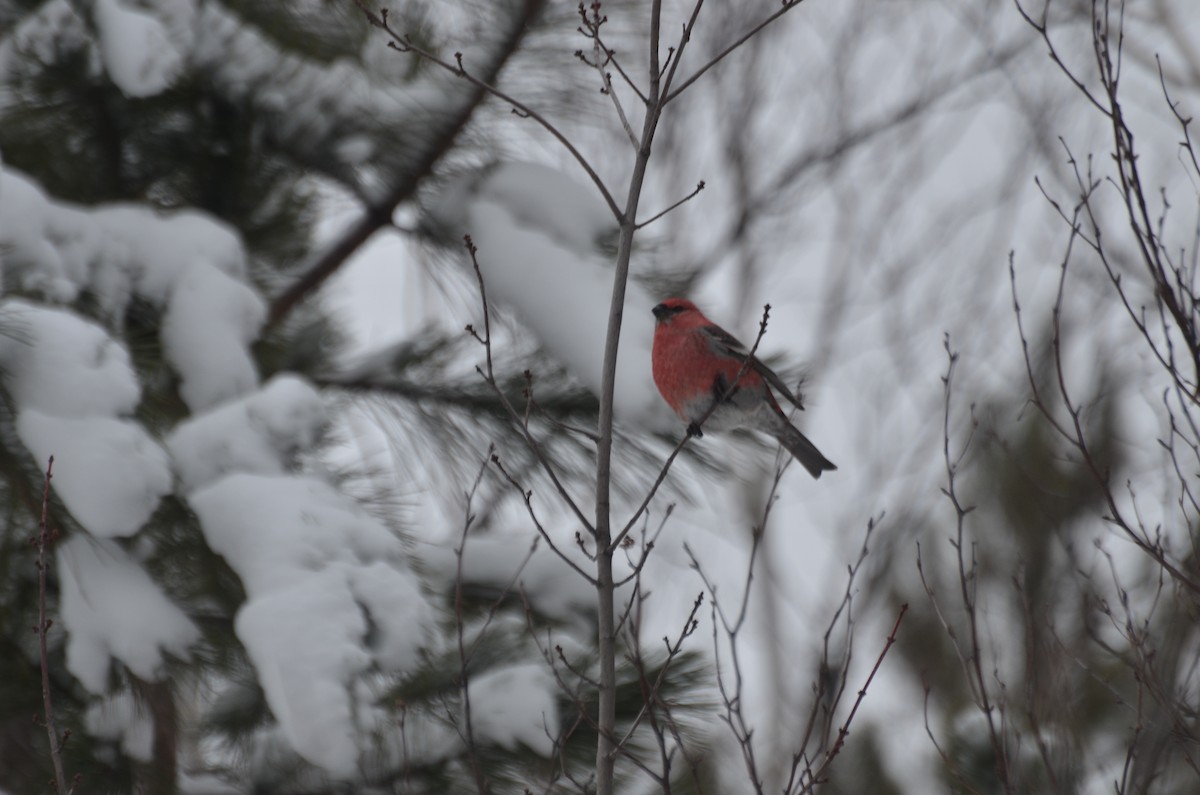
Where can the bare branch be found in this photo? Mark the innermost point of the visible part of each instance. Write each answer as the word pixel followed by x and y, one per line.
pixel 404 44
pixel 378 215
pixel 818 776
pixel 527 496
pixel 44 539
pixel 464 678
pixel 518 418
pixel 967 578
pixel 684 200
pixel 785 7
pixel 602 56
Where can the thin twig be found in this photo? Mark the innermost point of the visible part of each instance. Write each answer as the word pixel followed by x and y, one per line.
pixel 527 496
pixel 377 216
pixel 844 730
pixel 490 377
pixel 481 782
pixel 602 56
pixel 731 693
pixel 684 200
pixel 44 539
pixel 967 579
pixel 787 6
pixel 826 698
pixel 405 44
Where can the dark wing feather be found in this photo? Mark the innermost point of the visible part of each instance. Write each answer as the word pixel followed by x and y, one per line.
pixel 726 344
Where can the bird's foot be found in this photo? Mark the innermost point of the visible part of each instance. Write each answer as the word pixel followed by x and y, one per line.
pixel 693 429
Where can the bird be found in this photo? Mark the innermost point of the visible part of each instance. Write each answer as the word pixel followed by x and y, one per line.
pixel 696 366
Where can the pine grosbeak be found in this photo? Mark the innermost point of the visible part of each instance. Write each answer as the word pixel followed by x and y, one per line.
pixel 695 365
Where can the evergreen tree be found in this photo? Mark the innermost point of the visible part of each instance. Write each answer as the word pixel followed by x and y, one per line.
pixel 163 168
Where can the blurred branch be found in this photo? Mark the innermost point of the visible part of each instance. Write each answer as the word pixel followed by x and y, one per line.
pixel 557 404
pixel 785 6
pixel 485 84
pixel 379 214
pixel 782 176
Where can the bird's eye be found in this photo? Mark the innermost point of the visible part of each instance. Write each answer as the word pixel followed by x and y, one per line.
pixel 665 310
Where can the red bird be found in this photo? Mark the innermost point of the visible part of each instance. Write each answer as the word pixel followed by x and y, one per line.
pixel 695 364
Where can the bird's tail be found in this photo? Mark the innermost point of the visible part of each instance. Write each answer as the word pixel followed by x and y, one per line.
pixel 801 448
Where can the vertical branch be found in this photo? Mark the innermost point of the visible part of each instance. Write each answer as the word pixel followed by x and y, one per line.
pixel 661 76
pixel 968 579
pixel 43 541
pixel 464 681
pixel 606 717
pixel 731 692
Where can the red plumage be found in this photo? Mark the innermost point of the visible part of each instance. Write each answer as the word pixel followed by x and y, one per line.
pixel 695 364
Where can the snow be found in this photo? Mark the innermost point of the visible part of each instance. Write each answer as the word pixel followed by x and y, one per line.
pixel 186 263
pixel 542 197
pixel 110 473
pixel 252 434
pixel 135 47
pixel 322 111
pixel 498 560
pixel 306 641
pixel 276 530
pixel 63 364
pixel 534 226
pixel 515 706
pixel 206 334
pixel 356 149
pixel 195 782
pixel 119 718
pixel 54 27
pixel 71 383
pixel 112 610
pixel 329 597
pixel 379 588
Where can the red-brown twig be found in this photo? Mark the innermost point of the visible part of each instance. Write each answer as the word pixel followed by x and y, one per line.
pixel 844 729
pixel 44 539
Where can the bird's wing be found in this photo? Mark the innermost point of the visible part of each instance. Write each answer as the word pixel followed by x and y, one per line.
pixel 725 344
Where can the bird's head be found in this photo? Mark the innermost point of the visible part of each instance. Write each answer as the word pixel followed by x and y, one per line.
pixel 672 307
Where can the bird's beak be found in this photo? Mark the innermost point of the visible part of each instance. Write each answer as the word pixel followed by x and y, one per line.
pixel 660 311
